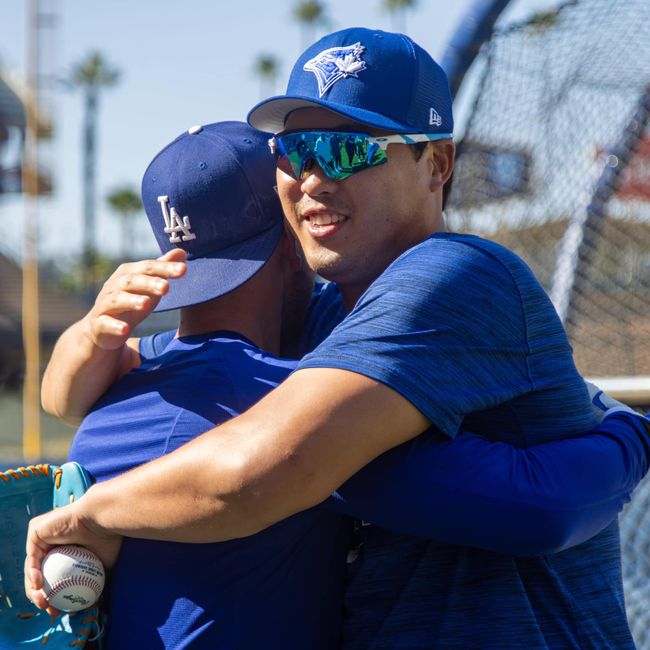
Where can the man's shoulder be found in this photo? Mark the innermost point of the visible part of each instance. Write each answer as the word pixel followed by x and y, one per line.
pixel 466 263
pixel 446 247
pixel 205 360
pixel 448 261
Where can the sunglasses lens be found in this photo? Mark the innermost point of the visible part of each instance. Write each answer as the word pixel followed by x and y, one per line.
pixel 339 155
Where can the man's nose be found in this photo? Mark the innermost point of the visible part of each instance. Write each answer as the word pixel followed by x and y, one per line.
pixel 314 180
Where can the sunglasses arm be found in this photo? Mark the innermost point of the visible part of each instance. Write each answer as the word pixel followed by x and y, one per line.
pixel 408 138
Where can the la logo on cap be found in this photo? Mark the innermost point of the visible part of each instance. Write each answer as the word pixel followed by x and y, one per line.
pixel 336 63
pixel 174 224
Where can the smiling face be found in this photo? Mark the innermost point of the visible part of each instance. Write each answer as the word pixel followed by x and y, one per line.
pixel 351 230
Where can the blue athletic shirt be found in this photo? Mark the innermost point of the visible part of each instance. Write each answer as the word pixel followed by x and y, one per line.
pixel 461 328
pixel 508 500
pixel 281 588
pixel 515 499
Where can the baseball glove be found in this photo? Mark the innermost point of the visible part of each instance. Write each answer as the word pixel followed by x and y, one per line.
pixel 24 493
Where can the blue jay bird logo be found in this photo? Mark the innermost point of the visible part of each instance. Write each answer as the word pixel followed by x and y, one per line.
pixel 336 63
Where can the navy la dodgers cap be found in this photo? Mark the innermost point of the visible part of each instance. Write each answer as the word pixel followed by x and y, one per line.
pixel 210 192
pixel 381 79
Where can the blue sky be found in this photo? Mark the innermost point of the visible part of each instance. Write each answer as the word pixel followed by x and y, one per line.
pixel 182 63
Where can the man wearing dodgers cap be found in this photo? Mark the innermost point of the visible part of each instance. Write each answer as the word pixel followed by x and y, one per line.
pixel 210 192
pixel 220 170
pixel 440 328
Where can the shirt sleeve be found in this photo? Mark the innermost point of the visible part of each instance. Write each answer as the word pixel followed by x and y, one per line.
pixel 445 327
pixel 472 492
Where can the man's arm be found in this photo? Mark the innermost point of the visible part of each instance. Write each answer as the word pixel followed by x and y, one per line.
pixel 472 492
pixel 96 351
pixel 287 453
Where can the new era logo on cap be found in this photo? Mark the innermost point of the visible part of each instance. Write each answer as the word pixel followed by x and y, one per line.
pixel 434 117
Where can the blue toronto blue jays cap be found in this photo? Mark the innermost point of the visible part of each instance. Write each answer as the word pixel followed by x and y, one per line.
pixel 210 192
pixel 381 79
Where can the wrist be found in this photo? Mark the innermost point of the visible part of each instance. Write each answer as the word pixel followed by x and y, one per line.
pixel 89 509
pixel 89 512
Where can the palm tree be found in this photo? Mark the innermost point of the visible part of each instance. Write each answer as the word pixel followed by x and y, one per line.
pixel 267 68
pixel 397 10
pixel 90 75
pixel 126 204
pixel 310 14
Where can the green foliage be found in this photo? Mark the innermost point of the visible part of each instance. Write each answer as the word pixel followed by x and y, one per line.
pixel 93 72
pixel 124 201
pixel 309 12
pixel 126 204
pixel 267 67
pixel 82 273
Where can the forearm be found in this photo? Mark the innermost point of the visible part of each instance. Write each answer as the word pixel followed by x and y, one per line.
pixel 96 351
pixel 515 501
pixel 79 372
pixel 276 459
pixel 194 494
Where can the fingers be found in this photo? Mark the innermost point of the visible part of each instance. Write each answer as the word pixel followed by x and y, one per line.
pixel 69 524
pixel 130 295
pixel 174 255
pixel 60 526
pixel 167 266
pixel 138 296
pixel 35 551
pixel 147 277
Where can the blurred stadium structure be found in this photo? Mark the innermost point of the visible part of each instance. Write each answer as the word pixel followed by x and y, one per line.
pixel 554 163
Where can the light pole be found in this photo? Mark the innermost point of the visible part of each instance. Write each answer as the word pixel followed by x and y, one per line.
pixel 30 306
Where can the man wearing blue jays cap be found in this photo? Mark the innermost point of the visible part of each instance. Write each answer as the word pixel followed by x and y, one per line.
pixel 441 330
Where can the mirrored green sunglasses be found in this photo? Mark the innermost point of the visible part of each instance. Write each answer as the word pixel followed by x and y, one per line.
pixel 338 153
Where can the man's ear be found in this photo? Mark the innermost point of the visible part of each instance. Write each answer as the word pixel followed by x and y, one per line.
pixel 442 156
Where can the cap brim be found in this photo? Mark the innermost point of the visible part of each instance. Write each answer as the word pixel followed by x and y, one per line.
pixel 215 275
pixel 271 114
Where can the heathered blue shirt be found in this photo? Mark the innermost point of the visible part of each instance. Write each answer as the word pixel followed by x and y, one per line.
pixel 460 327
pixel 281 588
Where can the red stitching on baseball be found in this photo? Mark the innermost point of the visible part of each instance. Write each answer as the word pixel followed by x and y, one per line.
pixel 77 551
pixel 81 581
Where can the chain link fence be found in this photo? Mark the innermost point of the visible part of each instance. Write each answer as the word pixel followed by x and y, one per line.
pixel 554 163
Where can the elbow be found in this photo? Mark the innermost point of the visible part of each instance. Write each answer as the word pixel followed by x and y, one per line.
pixel 47 401
pixel 236 491
pixel 261 492
pixel 556 534
pixel 245 504
pixel 50 406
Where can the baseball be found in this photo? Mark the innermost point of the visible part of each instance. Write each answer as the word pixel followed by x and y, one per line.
pixel 74 578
